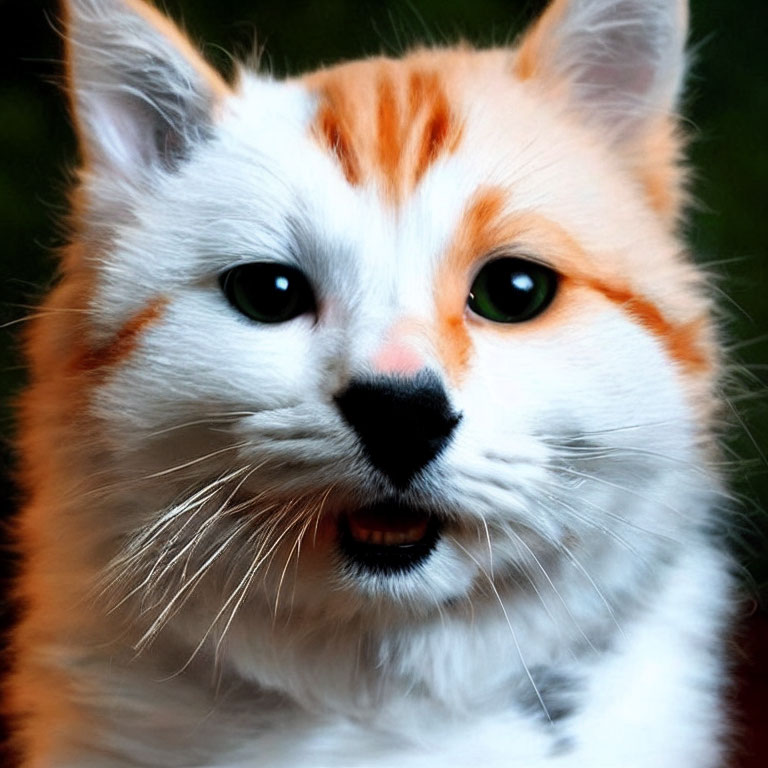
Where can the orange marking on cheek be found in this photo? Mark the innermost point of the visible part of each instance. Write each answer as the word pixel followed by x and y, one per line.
pixel 125 341
pixel 685 345
pixel 484 227
pixel 681 341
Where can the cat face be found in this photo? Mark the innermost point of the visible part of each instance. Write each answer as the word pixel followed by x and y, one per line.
pixel 382 340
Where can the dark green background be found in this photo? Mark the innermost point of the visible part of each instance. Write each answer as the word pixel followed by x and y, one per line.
pixel 727 106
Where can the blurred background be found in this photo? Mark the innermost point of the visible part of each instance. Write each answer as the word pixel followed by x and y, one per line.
pixel 726 109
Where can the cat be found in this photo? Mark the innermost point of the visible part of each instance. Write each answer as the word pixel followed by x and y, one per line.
pixel 372 419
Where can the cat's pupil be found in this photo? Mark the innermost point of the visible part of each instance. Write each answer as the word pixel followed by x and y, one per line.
pixel 512 290
pixel 267 292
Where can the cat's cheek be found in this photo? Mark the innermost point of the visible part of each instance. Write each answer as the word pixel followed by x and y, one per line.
pixel 178 368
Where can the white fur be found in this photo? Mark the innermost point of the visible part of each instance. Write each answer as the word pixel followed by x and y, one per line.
pixel 577 484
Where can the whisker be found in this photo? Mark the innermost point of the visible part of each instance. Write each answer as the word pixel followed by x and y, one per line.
pixel 225 505
pixel 294 548
pixel 623 489
pixel 573 559
pixel 511 629
pixel 221 418
pixel 594 525
pixel 488 541
pixel 539 564
pixel 206 634
pixel 184 589
pixel 609 452
pixel 136 550
pixel 192 462
pixel 747 431
pixel 244 586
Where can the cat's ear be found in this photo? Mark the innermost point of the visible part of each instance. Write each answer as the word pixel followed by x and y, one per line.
pixel 620 62
pixel 620 65
pixel 142 96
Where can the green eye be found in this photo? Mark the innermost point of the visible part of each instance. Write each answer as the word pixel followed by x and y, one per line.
pixel 268 292
pixel 511 290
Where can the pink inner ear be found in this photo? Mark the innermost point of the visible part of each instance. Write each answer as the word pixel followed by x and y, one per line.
pixel 635 79
pixel 396 357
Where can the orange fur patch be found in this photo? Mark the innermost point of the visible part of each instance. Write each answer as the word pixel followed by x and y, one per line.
pixel 534 50
pixel 385 123
pixel 484 227
pixel 335 134
pixel 681 341
pixel 439 133
pixel 125 341
pixel 388 133
pixel 475 236
pixel 660 170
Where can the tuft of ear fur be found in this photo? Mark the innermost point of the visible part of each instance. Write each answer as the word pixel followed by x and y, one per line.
pixel 621 61
pixel 620 65
pixel 142 95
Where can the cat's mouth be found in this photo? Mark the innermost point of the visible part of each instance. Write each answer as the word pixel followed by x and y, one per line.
pixel 388 537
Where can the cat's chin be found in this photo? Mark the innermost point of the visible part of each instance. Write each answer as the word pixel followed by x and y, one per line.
pixel 388 537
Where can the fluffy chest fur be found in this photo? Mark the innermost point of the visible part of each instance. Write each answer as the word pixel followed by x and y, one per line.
pixel 383 429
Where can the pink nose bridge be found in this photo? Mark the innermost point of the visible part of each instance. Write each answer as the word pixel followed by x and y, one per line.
pixel 401 352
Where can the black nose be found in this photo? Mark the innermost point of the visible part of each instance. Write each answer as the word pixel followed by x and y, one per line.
pixel 403 423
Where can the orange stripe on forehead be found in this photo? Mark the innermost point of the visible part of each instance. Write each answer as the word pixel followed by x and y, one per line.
pixel 125 341
pixel 484 228
pixel 334 133
pixel 439 133
pixel 386 123
pixel 336 140
pixel 389 134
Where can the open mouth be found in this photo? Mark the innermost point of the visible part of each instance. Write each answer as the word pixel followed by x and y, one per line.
pixel 388 537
